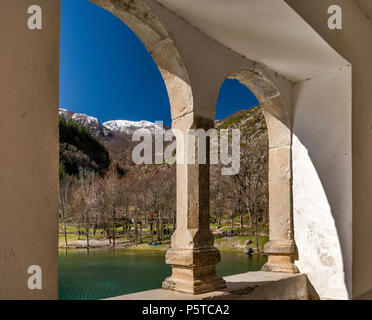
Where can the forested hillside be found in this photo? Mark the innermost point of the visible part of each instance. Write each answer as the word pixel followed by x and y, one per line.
pixel 80 149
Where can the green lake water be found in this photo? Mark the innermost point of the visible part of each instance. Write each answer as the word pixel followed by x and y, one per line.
pixel 104 273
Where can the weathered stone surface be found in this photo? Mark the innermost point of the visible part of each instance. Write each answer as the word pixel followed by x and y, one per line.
pixel 179 92
pixel 280 255
pixel 279 133
pixel 280 207
pixel 193 270
pixel 256 80
pixel 280 164
pixel 192 256
pixel 247 286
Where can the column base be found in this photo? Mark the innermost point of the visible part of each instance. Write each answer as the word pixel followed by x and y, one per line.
pixel 196 286
pixel 193 271
pixel 280 257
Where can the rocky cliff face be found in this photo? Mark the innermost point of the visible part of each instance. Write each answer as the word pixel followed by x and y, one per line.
pixel 252 125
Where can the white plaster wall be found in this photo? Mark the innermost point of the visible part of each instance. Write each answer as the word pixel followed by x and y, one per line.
pixel 354 43
pixel 322 179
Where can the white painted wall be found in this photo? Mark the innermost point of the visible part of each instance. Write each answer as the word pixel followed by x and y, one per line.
pixel 322 179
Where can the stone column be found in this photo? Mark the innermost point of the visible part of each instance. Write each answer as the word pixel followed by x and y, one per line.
pixel 281 248
pixel 192 256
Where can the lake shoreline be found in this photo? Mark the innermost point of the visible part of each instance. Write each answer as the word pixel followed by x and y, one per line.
pixel 105 245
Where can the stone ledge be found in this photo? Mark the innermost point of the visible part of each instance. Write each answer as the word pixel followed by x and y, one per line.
pixel 246 286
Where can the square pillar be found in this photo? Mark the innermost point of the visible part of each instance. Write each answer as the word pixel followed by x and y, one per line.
pixel 192 256
pixel 281 248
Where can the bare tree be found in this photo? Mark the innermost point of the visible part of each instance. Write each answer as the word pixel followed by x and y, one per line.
pixel 85 201
pixel 66 186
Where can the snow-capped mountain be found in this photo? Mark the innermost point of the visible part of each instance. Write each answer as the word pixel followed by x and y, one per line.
pixel 114 126
pixel 128 127
pixel 116 135
pixel 85 120
pixel 66 113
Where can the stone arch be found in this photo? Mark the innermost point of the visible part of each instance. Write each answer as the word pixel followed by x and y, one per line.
pixel 146 25
pixel 281 247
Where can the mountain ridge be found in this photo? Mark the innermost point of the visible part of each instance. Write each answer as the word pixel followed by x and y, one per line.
pixel 116 135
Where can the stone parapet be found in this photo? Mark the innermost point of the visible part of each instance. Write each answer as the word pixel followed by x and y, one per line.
pixel 246 286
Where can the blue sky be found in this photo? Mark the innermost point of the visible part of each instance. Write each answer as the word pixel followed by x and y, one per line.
pixel 106 72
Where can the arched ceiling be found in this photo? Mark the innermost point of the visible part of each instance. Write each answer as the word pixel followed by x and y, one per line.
pixel 267 31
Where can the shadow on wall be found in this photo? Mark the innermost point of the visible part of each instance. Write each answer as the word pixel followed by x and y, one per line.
pixel 315 231
pixel 322 181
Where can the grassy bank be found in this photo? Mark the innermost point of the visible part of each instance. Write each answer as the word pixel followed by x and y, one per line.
pixel 237 243
pixel 226 244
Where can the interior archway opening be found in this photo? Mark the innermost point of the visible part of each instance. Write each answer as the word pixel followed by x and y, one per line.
pixel 275 160
pixel 240 201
